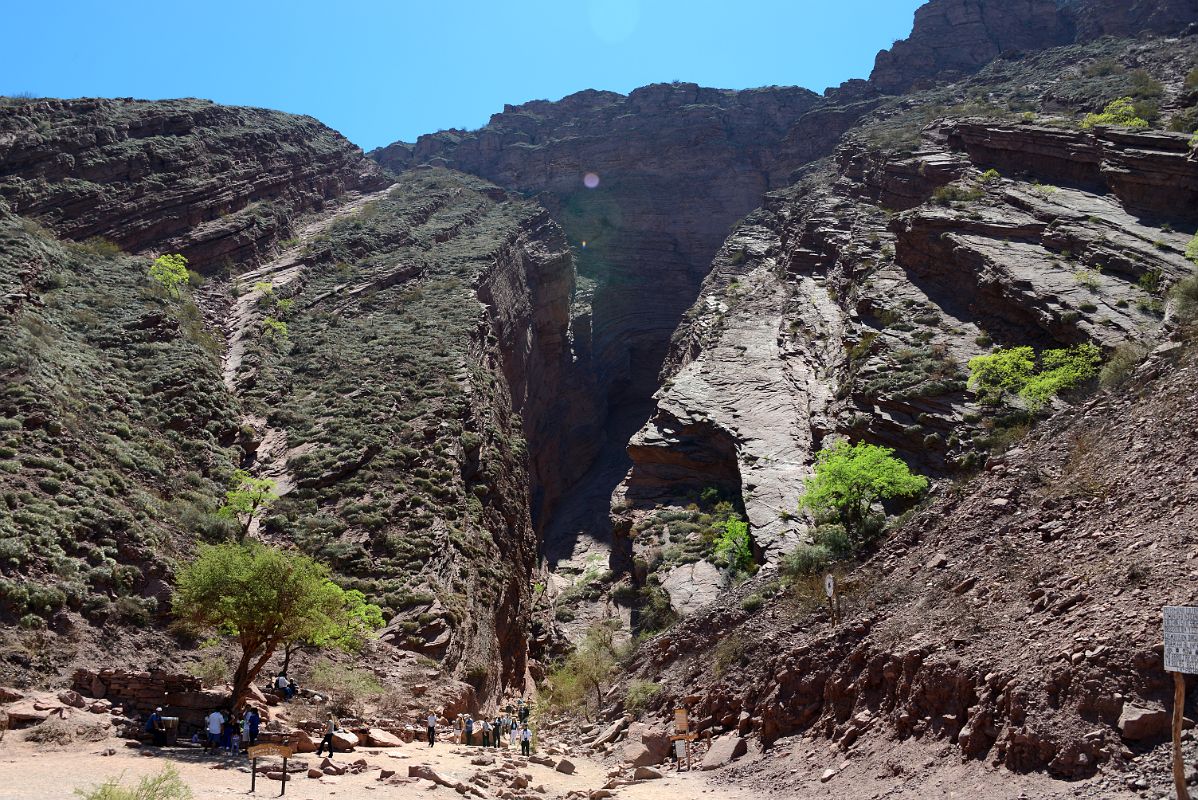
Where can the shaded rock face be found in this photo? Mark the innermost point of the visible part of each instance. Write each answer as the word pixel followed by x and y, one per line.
pixel 676 164
pixel 954 38
pixel 212 182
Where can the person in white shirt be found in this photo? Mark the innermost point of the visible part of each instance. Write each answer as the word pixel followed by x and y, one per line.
pixel 216 723
pixel 525 740
pixel 432 728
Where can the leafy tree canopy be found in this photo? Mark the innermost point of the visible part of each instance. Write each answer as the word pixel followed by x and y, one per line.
pixel 264 597
pixel 733 546
pixel 170 270
pixel 1004 371
pixel 1118 113
pixel 246 499
pixel 849 478
pixel 1013 370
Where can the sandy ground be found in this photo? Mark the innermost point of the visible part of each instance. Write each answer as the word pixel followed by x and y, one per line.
pixel 38 773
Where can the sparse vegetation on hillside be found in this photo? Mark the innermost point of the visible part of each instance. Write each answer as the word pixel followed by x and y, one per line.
pixel 584 673
pixel 247 498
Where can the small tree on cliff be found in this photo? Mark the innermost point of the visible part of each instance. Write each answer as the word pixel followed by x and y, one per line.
pixel 264 597
pixel 246 498
pixel 170 270
pixel 849 478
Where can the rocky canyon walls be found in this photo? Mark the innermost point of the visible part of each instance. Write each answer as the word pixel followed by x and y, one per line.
pixel 216 183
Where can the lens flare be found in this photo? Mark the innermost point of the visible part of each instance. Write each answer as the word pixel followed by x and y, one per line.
pixel 590 180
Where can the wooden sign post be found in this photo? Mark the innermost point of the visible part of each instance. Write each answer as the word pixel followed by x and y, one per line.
pixel 267 751
pixel 1181 657
pixel 682 733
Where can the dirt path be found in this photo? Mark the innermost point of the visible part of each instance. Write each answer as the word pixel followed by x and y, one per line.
pixel 39 774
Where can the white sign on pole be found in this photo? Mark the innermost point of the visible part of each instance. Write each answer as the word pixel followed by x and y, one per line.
pixel 830 584
pixel 1181 639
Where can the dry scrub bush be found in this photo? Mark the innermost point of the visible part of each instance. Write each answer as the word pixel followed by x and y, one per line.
pixel 164 785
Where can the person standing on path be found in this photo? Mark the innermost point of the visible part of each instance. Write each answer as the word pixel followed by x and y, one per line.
pixel 328 736
pixel 497 732
pixel 514 735
pixel 216 723
pixel 252 722
pixel 432 728
pixel 469 729
pixel 525 740
pixel 486 733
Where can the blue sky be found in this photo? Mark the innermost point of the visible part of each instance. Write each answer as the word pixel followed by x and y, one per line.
pixel 380 71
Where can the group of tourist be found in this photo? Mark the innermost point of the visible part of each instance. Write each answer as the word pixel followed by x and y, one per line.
pixel 229 733
pixel 512 726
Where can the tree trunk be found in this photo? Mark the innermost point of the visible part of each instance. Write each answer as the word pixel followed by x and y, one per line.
pixel 247 672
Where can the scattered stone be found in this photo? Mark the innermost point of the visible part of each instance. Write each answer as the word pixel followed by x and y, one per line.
pixel 724 750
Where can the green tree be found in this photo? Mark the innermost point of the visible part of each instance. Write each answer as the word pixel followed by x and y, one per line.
pixel 1013 370
pixel 1005 371
pixel 733 546
pixel 585 670
pixel 348 632
pixel 246 498
pixel 1061 370
pixel 170 270
pixel 849 478
pixel 1118 113
pixel 262 596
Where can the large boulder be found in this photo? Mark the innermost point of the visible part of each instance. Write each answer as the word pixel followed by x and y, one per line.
pixel 610 733
pixel 724 750
pixel 1137 723
pixel 429 774
pixel 344 741
pixel 377 737
pixel 645 746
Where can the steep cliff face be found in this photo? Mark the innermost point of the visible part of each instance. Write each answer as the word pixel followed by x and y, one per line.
pixel 426 341
pixel 216 183
pixel 851 304
pixel 1013 620
pixel 675 165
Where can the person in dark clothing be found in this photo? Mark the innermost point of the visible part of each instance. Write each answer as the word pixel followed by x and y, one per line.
pixel 156 728
pixel 469 729
pixel 525 740
pixel 328 737
pixel 432 728
pixel 251 726
pixel 497 732
pixel 226 731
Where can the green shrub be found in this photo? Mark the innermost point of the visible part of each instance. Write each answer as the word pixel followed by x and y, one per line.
pixel 805 560
pixel 1122 363
pixel 957 194
pixel 1150 281
pixel 1061 370
pixel 1103 67
pixel 1192 79
pixel 752 603
pixel 734 547
pixel 163 785
pixel 849 478
pixel 1184 296
pixel 640 694
pixel 213 670
pixel 991 176
pixel 1118 113
pixel 1192 250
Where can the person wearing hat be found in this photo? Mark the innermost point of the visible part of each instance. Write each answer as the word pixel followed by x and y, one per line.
pixel 156 727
